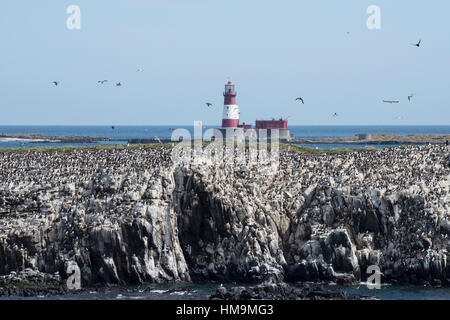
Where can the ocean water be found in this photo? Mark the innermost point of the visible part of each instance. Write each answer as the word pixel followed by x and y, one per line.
pixel 122 133
pixel 203 291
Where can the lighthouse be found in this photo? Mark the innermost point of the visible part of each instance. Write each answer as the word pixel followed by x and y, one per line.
pixel 230 118
pixel 230 121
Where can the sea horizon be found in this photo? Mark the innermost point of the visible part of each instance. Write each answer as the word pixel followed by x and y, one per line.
pixel 219 125
pixel 121 134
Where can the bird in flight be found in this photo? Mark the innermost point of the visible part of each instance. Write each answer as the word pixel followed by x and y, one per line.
pixel 55 83
pixel 335 115
pixel 416 44
pixel 112 127
pixel 410 96
pixel 140 70
pixel 102 81
pixel 391 101
pixel 118 84
pixel 209 104
pixel 300 100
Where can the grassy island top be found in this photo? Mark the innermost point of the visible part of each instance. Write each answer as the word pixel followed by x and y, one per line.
pixel 283 147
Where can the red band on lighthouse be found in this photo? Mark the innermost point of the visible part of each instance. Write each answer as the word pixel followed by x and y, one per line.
pixel 230 123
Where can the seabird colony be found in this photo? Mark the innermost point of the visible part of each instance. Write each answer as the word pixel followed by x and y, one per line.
pixel 131 215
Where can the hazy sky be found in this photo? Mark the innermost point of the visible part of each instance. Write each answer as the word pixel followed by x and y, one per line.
pixel 273 51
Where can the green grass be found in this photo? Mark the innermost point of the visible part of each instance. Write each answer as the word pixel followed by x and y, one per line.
pixel 294 148
pixel 333 151
pixel 82 148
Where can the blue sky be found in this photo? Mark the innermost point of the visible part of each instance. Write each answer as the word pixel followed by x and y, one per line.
pixel 273 51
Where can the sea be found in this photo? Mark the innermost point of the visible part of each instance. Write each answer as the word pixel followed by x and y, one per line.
pixel 189 291
pixel 123 133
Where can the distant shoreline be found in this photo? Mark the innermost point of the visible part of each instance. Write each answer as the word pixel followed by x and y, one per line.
pixel 369 139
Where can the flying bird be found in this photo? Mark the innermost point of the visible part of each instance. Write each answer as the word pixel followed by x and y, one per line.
pixel 335 114
pixel 209 104
pixel 416 44
pixel 55 83
pixel 391 101
pixel 118 84
pixel 300 100
pixel 112 127
pixel 140 70
pixel 410 96
pixel 102 81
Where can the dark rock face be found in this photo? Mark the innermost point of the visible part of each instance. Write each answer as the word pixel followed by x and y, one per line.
pixel 109 212
pixel 283 291
pixel 133 216
pixel 28 283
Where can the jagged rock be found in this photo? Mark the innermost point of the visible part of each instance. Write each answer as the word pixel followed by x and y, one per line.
pixel 445 227
pixel 132 216
pixel 283 291
pixel 28 283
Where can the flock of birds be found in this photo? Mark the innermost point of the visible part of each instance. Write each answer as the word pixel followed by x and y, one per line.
pixel 118 84
pixel 412 94
pixel 335 114
pixel 209 104
pixel 397 101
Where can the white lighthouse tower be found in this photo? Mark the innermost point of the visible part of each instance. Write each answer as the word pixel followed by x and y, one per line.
pixel 230 118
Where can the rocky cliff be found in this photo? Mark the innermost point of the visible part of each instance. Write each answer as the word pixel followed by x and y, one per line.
pixel 133 216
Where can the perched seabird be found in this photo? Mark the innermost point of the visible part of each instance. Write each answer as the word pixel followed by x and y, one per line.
pixel 416 44
pixel 300 100
pixel 410 96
